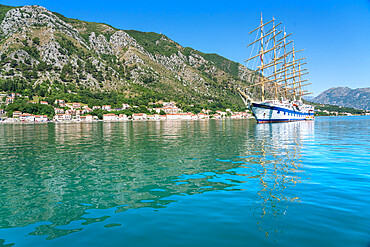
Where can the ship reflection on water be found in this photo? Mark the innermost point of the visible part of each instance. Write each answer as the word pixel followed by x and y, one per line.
pixel 272 165
pixel 58 179
pixel 280 169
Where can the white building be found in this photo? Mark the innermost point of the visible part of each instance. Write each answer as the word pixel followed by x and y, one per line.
pixel 9 100
pixel 62 117
pixel 106 107
pixel 41 118
pixel 110 117
pixel 139 116
pixel 237 115
pixel 122 117
pixel 202 116
pixel 217 116
pixel 58 111
pixel 17 114
pixel 26 117
pixel 89 118
pixel 180 116
pixel 61 102
pixel 76 105
pixel 222 113
pixel 125 106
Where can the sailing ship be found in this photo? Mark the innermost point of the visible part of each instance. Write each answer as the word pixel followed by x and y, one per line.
pixel 279 76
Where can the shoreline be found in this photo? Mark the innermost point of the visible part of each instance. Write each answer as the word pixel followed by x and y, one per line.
pixel 123 121
pixel 145 120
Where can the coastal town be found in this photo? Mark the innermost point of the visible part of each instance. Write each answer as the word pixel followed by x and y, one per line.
pixel 78 112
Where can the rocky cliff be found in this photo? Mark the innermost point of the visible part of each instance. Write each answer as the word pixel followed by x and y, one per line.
pixel 45 50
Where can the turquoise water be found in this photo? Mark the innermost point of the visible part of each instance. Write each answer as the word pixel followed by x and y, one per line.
pixel 196 183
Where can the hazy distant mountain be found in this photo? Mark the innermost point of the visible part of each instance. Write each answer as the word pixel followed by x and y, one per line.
pixel 343 96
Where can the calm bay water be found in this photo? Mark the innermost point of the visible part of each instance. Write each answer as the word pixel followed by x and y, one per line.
pixel 196 183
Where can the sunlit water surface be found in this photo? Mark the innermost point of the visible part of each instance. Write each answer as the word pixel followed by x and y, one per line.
pixel 196 183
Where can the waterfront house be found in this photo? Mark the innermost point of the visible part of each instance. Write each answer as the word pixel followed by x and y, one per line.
pixel 217 116
pixel 63 117
pixel 237 115
pixel 122 117
pixel 26 117
pixel 206 111
pixel 247 115
pixel 89 118
pixel 139 116
pixel 17 114
pixel 153 117
pixel 202 116
pixel 173 116
pixel 41 118
pixel 179 116
pixel 222 113
pixel 150 117
pixel 110 117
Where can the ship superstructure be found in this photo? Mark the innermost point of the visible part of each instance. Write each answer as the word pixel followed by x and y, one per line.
pixel 278 77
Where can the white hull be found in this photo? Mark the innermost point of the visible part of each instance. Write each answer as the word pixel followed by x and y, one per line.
pixel 275 111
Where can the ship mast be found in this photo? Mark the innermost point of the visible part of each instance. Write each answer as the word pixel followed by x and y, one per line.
pixel 300 82
pixel 275 71
pixel 284 67
pixel 262 55
pixel 293 68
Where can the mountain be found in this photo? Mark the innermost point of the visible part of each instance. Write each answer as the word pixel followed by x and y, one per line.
pixel 45 53
pixel 343 96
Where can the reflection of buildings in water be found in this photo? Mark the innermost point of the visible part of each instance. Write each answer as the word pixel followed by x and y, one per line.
pixel 140 164
pixel 280 169
pixel 22 133
pixel 124 172
pixel 66 133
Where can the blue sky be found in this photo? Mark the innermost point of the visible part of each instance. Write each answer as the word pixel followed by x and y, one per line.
pixel 334 34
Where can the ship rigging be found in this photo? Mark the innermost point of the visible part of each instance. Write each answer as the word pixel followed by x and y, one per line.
pixel 279 77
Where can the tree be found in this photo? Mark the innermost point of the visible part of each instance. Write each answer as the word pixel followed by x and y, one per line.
pixel 36 40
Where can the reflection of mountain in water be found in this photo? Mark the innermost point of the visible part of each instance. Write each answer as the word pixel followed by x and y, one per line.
pixel 51 174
